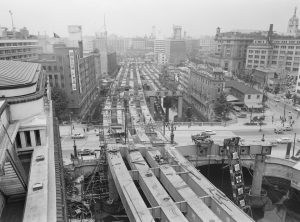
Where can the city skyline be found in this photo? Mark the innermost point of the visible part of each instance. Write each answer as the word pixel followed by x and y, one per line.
pixel 197 18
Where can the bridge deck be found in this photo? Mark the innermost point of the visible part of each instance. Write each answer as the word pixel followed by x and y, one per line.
pixel 200 184
pixel 197 210
pixel 153 190
pixel 133 203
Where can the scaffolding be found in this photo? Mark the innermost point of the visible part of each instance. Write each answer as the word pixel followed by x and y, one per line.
pixel 236 174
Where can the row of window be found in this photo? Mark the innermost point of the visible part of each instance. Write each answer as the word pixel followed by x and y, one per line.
pixel 28 139
pixel 52 68
pixel 18 44
pixel 18 57
pixel 257 96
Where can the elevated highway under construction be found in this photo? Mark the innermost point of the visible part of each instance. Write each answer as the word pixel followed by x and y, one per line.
pixel 147 173
pixel 155 180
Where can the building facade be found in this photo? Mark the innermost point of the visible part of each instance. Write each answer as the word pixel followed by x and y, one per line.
pixel 175 51
pixel 19 49
pixel 205 85
pixel 247 97
pixel 231 50
pixel 75 74
pixel 29 130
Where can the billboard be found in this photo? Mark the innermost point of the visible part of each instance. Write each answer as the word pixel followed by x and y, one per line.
pixel 72 69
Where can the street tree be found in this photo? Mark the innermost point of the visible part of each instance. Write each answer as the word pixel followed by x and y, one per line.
pixel 60 100
pixel 222 107
pixel 288 95
pixel 277 89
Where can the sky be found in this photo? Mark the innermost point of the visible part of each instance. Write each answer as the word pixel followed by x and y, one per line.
pixel 130 18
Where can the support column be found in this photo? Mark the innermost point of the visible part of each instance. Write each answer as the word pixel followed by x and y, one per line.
pixel 32 138
pixel 43 137
pixel 259 168
pixel 179 109
pixel 23 140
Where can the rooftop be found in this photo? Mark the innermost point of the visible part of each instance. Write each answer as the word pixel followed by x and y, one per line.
pixel 15 73
pixel 241 87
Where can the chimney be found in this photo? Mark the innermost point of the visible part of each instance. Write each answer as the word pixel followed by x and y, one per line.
pixel 270 32
pixel 80 49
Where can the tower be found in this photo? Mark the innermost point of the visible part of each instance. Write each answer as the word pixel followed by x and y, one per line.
pixel 293 24
pixel 177 32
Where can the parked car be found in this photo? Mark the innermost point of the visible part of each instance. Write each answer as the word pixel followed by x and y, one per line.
pixel 277 100
pixel 77 136
pixel 278 130
pixel 287 128
pixel 209 132
pixel 284 140
pixel 242 115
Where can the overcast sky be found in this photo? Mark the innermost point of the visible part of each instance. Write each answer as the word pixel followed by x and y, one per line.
pixel 136 17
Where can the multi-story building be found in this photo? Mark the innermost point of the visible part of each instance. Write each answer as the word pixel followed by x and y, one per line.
pixel 138 43
pixel 175 51
pixel 276 51
pixel 111 62
pixel 159 46
pixel 88 43
pixel 205 85
pixel 161 58
pixel 207 45
pixel 192 45
pixel 74 73
pixel 30 157
pixel 19 49
pixel 232 50
pixel 75 35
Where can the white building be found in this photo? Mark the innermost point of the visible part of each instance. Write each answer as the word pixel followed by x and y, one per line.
pixel 293 23
pixel 162 59
pixel 75 35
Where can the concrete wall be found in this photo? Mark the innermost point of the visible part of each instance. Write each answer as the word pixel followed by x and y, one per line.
pixel 23 110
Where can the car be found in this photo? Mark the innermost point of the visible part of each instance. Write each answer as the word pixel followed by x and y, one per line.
pixel 209 132
pixel 287 128
pixel 284 140
pixel 242 115
pixel 278 130
pixel 277 100
pixel 77 136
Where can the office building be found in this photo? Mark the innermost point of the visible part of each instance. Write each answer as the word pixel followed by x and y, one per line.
pixel 177 32
pixel 74 73
pixel 232 50
pixel 19 49
pixel 175 51
pixel 205 85
pixel 75 35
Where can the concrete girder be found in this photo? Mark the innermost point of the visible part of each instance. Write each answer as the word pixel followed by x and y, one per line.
pixel 197 210
pixel 154 191
pixel 133 203
pixel 220 204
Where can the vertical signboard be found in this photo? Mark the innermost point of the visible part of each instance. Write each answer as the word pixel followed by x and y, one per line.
pixel 79 74
pixel 72 69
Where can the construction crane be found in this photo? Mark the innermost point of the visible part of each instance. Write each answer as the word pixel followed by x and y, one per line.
pixel 236 173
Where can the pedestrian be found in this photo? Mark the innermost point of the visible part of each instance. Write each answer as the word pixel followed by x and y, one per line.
pixel 83 130
pixel 272 119
pixel 73 127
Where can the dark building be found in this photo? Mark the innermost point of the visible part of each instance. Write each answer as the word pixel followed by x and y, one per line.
pixel 74 73
pixel 111 62
pixel 175 51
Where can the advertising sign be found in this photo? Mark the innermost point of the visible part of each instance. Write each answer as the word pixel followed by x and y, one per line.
pixel 72 69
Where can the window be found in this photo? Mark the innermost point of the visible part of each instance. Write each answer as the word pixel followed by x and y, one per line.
pixel 249 96
pixel 250 51
pixel 289 58
pixel 249 61
pixel 290 52
pixel 290 47
pixel 255 61
pixel 262 62
pixel 283 47
pixel 49 68
pixel 297 47
pixel 250 56
pixel 282 52
pixel 257 51
pixel 288 63
pixel 274 62
pixel 274 57
pixel 257 56
pixel 295 69
pixel 55 68
pixel 263 52
pixel 263 57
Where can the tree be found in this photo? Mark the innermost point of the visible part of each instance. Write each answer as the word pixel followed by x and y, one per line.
pixel 288 95
pixel 277 89
pixel 60 100
pixel 222 107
